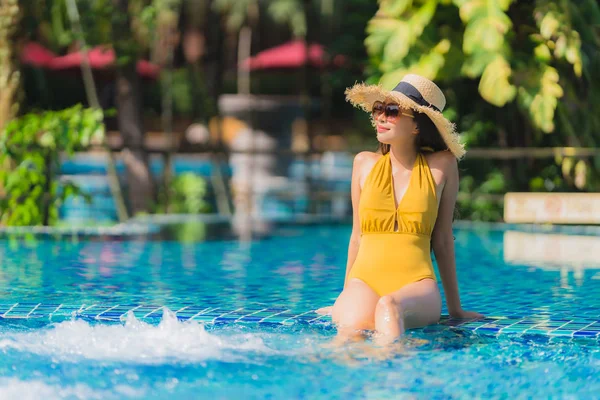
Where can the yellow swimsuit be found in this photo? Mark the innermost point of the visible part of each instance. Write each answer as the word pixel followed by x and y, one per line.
pixel 388 260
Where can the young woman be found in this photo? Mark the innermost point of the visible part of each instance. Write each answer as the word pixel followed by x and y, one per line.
pixel 403 200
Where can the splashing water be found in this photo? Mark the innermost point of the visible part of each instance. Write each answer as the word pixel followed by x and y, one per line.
pixel 76 359
pixel 135 342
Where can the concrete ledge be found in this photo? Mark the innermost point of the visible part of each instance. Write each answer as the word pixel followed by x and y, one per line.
pixel 557 208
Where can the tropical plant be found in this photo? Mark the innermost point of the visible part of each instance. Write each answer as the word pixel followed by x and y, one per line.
pixel 481 202
pixel 131 28
pixel 187 195
pixel 32 145
pixel 514 52
pixel 516 73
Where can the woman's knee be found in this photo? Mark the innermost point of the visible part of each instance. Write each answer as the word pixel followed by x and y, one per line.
pixel 388 303
pixel 354 321
pixel 355 307
pixel 421 303
pixel 353 316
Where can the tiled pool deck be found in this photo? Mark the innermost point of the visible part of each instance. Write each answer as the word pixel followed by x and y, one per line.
pixel 584 326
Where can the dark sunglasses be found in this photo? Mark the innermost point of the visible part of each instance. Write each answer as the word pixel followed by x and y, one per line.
pixel 391 110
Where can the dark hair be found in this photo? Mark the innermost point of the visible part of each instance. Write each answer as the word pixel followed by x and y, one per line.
pixel 428 139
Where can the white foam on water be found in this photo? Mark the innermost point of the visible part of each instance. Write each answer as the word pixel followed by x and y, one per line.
pixel 13 388
pixel 171 341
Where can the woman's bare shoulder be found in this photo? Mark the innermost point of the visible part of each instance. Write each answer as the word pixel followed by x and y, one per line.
pixel 363 163
pixel 442 165
pixel 365 158
pixel 441 160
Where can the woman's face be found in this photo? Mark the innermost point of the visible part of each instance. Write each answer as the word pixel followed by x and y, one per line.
pixel 394 125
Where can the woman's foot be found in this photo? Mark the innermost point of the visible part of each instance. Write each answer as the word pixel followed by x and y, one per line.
pixel 389 322
pixel 347 335
pixel 324 310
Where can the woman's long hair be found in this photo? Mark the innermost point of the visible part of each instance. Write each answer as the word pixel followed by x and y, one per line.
pixel 428 139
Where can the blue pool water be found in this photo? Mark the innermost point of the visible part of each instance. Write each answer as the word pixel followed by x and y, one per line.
pixel 157 316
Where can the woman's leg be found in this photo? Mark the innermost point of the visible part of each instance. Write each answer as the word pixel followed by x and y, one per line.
pixel 413 306
pixel 354 309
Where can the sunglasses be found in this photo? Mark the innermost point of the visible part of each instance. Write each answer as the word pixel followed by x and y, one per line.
pixel 391 111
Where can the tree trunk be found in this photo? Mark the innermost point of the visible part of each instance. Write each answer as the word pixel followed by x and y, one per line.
pixel 9 70
pixel 129 112
pixel 7 98
pixel 129 119
pixel 244 51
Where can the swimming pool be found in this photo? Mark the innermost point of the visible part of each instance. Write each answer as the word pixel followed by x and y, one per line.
pixel 151 316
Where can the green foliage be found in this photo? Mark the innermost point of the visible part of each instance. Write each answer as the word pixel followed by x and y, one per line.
pixel 511 62
pixel 513 71
pixel 235 11
pixel 189 91
pixel 187 195
pixel 486 25
pixel 285 12
pixel 104 23
pixel 289 12
pixel 187 232
pixel 541 97
pixel 30 149
pixel 343 19
pixel 482 202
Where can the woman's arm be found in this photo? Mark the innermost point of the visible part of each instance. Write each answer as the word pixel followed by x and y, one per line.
pixel 443 241
pixel 354 244
pixel 355 195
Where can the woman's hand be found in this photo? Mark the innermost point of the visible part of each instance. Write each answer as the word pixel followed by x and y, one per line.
pixel 324 310
pixel 462 314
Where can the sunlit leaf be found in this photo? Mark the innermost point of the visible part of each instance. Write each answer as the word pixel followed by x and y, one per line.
pixel 549 25
pixel 421 18
pixel 476 63
pixel 46 140
pixel 398 44
pixel 542 53
pixel 581 172
pixel 486 33
pixel 573 53
pixel 560 48
pixel 566 167
pixel 428 66
pixel 504 4
pixel 494 85
pixel 470 9
pixel 394 8
pixel 379 31
pixel 544 102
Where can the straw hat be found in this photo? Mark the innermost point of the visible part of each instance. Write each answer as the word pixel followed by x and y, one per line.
pixel 413 92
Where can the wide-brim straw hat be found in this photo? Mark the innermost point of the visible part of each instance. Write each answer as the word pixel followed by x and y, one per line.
pixel 413 92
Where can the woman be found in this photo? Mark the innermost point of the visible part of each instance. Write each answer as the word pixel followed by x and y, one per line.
pixel 403 200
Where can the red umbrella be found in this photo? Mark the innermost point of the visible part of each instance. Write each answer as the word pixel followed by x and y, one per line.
pixel 290 55
pixel 98 57
pixel 147 69
pixel 36 55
